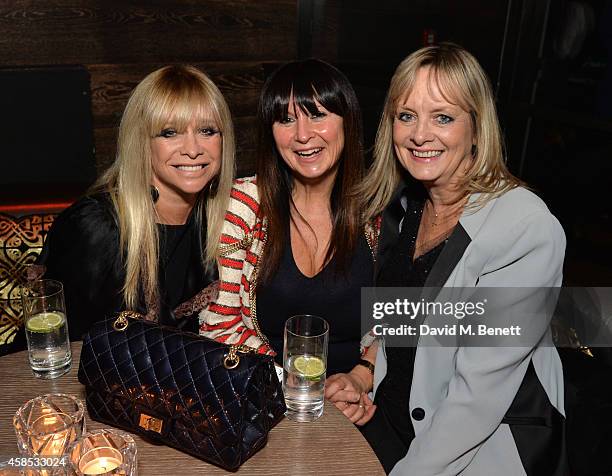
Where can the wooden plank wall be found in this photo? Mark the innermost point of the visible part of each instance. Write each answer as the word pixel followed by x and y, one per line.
pixel 120 42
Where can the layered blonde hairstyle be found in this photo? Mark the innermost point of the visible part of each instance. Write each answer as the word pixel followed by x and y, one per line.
pixel 463 82
pixel 174 94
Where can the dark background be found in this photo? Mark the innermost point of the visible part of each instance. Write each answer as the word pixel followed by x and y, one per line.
pixel 68 66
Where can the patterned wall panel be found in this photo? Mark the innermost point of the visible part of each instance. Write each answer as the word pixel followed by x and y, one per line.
pixel 21 241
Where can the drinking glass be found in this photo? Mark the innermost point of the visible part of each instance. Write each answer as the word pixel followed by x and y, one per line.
pixel 45 427
pixel 106 451
pixel 304 366
pixel 46 328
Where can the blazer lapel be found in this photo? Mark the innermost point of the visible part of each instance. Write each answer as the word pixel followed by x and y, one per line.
pixel 445 264
pixel 451 254
pixel 468 225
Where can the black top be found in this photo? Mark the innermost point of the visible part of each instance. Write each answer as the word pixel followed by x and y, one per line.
pixel 82 251
pixel 174 256
pixel 336 298
pixel 391 423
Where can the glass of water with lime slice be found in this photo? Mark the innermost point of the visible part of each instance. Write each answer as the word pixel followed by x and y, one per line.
pixel 46 328
pixel 304 366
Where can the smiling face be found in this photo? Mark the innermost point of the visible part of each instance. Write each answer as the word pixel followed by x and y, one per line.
pixel 310 144
pixel 432 137
pixel 185 161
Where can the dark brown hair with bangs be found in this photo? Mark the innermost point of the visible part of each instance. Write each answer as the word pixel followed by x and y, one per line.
pixel 307 81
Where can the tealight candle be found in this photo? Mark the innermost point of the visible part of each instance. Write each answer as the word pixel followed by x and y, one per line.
pixel 107 451
pixel 100 461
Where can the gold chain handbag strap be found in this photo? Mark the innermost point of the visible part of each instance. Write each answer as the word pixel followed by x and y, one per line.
pixel 244 244
pixel 253 296
pixel 230 361
pixel 121 323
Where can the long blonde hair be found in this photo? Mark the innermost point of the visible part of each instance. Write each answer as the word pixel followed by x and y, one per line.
pixel 176 94
pixel 462 81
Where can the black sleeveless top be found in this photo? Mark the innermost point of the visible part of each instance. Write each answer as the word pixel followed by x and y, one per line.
pixel 330 295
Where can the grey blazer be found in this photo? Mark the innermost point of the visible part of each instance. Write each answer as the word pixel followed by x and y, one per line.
pixel 485 411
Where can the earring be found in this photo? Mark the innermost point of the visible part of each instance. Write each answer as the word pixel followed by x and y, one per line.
pixel 154 193
pixel 213 185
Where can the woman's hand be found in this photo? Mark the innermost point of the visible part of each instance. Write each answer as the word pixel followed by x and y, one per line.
pixel 359 412
pixel 345 388
pixel 348 392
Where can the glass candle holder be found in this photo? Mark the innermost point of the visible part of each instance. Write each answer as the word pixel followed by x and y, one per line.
pixel 46 426
pixel 103 452
pixel 7 469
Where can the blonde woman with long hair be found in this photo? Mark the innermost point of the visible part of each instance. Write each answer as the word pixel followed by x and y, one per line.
pixel 145 237
pixel 455 220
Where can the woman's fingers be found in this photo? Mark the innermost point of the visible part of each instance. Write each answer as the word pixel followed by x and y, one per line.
pixel 352 411
pixel 356 406
pixel 345 396
pixel 338 383
pixel 334 383
pixel 368 410
pixel 359 412
pixel 367 415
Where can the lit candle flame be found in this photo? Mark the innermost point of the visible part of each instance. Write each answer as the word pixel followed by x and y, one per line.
pixel 100 461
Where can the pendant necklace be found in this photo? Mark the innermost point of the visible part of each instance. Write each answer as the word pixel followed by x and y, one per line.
pixel 435 222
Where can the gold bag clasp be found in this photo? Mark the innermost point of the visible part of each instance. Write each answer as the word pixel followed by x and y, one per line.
pixel 150 423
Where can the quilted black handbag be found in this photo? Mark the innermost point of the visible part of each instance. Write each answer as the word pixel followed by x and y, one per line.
pixel 186 391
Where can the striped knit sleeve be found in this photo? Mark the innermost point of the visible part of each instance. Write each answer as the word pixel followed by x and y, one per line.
pixel 227 318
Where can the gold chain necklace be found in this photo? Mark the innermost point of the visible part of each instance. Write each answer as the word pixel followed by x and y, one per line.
pixel 437 221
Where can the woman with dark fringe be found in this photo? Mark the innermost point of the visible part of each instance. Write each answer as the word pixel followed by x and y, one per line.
pixel 305 249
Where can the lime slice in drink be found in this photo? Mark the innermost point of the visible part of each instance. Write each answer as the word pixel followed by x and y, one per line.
pixel 45 322
pixel 310 367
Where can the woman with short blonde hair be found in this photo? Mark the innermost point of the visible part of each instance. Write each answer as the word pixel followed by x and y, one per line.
pixel 458 76
pixel 455 221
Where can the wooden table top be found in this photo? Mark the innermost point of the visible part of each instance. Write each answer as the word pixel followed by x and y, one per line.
pixel 330 445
